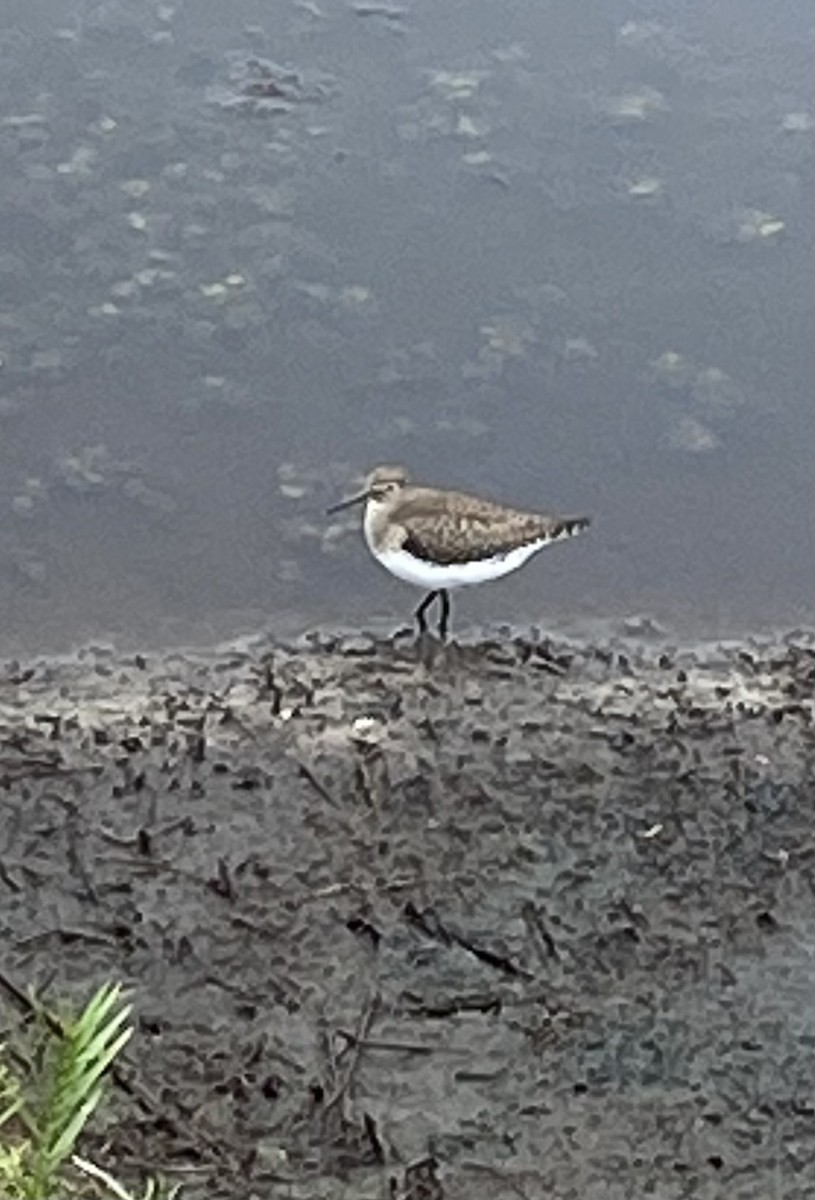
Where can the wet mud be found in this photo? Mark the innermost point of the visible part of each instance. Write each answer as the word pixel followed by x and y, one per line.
pixel 524 918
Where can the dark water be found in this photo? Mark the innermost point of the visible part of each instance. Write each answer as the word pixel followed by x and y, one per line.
pixel 560 254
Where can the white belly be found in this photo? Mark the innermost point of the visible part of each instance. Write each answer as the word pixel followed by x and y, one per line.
pixel 432 576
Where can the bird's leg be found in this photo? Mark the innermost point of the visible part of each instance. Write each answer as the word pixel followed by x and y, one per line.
pixel 444 615
pixel 422 609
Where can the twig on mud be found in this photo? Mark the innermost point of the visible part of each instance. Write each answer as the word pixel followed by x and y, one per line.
pixel 364 1024
pixel 149 1167
pixel 305 773
pixel 372 1134
pixel 458 1004
pixel 76 860
pixel 432 926
pixel 543 662
pixel 144 837
pixel 6 878
pixel 391 1047
pixel 93 1172
pixel 67 934
pixel 330 1057
pixel 146 866
pixel 339 889
pixel 541 937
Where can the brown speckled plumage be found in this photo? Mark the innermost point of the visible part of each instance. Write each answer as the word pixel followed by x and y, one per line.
pixel 454 527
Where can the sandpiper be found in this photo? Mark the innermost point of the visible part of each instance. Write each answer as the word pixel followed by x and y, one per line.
pixel 439 540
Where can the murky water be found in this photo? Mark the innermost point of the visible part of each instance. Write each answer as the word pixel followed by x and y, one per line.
pixel 558 254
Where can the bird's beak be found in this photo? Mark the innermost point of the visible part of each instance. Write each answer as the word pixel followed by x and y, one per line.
pixel 358 499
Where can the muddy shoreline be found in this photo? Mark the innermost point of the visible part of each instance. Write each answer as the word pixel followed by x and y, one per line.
pixel 541 910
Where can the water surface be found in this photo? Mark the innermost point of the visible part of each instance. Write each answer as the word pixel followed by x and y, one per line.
pixel 559 254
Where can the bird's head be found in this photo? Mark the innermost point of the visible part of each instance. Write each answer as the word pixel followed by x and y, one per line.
pixel 382 485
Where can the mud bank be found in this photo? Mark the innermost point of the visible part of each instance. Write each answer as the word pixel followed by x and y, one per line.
pixel 543 912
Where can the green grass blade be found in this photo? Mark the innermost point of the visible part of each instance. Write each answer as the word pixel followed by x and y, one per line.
pixel 88 1045
pixel 13 1109
pixel 61 1149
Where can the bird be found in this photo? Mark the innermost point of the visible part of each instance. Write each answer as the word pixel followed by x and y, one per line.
pixel 439 540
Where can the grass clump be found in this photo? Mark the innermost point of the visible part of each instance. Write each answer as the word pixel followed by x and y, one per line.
pixel 49 1089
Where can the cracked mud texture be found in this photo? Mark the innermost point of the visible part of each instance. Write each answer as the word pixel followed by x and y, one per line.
pixel 539 911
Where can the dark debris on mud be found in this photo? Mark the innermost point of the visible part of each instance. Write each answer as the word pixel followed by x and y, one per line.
pixel 532 919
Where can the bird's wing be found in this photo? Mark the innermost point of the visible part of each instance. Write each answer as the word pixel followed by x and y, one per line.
pixel 451 536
